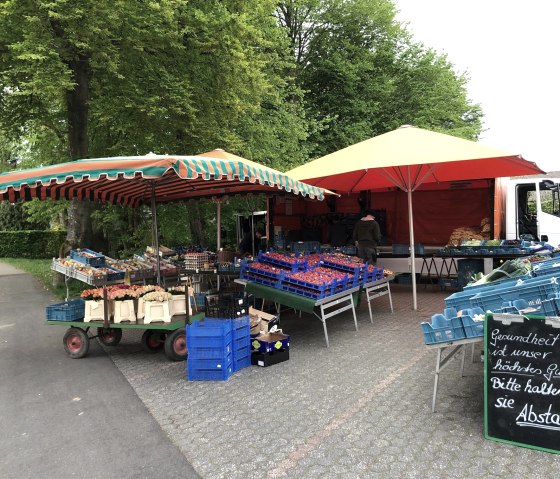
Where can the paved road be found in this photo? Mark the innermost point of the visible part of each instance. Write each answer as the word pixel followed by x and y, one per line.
pixel 358 409
pixel 63 418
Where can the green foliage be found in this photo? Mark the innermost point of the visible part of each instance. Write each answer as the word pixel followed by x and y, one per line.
pixel 364 76
pixel 33 215
pixel 31 244
pixel 185 77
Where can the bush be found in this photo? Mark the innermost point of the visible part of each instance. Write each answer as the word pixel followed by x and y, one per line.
pixel 31 244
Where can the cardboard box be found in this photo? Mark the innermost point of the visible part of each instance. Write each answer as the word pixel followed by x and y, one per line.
pixel 268 359
pixel 265 343
pixel 262 322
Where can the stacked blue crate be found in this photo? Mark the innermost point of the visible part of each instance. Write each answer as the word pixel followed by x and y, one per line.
pixel 241 343
pixel 210 347
pixel 533 290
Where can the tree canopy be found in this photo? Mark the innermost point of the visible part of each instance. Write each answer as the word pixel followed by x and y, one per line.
pixel 275 82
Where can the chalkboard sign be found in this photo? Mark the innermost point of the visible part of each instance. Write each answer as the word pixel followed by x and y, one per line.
pixel 522 381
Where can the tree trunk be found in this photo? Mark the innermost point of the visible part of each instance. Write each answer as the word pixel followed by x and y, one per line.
pixel 195 223
pixel 80 232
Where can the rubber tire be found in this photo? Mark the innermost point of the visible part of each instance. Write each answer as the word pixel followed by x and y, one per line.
pixel 115 335
pixel 76 342
pixel 153 341
pixel 176 345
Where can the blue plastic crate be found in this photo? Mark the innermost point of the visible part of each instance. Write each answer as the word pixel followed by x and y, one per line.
pixel 201 352
pixel 307 293
pixel 194 374
pixel 97 259
pixel 320 288
pixel 533 290
pixel 547 267
pixel 551 306
pixel 73 310
pixel 210 363
pixel 209 334
pixel 355 269
pixel 442 330
pixel 473 329
pixel 242 361
pixel 299 264
pixel 241 325
pixel 114 274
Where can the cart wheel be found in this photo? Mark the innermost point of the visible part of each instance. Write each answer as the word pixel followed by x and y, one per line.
pixel 176 345
pixel 152 341
pixel 109 337
pixel 76 342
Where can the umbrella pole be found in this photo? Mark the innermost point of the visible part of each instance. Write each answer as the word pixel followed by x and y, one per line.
pixel 155 240
pixel 412 253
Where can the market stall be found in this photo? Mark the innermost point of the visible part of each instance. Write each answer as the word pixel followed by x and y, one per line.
pixel 407 158
pixel 151 179
pixel 324 285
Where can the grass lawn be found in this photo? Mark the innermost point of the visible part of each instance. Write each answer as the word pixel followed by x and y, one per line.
pixel 41 269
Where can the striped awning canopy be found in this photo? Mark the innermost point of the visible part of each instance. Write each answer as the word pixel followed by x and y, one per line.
pixel 132 181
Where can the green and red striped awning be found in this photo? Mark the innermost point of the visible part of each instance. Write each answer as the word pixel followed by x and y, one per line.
pixel 131 181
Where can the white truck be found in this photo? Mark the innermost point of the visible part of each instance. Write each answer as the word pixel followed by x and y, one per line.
pixel 528 208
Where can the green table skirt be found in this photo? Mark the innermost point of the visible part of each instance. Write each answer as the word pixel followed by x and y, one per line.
pixel 291 300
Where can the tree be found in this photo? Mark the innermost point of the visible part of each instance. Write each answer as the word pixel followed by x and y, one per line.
pixel 364 76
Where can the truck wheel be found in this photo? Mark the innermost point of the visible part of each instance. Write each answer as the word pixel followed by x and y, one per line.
pixel 109 337
pixel 176 345
pixel 153 341
pixel 76 343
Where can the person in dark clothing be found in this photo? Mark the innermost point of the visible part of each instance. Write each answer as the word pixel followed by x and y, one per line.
pixel 367 236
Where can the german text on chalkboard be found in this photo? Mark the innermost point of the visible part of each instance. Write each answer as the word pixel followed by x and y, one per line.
pixel 522 380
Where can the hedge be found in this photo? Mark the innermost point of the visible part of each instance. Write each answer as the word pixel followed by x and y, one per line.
pixel 31 244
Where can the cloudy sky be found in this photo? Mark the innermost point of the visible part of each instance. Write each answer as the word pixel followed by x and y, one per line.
pixel 510 50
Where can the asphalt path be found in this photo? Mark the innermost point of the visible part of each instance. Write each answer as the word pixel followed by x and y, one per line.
pixel 69 418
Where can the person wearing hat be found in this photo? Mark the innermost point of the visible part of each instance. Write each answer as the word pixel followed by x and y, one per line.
pixel 366 236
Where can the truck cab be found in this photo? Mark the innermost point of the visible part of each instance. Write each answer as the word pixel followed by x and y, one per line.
pixel 533 209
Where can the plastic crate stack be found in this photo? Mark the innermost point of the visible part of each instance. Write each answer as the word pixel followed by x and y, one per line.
pixel 210 350
pixel 536 294
pixel 452 325
pixel 220 344
pixel 314 276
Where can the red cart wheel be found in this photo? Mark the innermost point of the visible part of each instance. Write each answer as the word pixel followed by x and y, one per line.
pixel 176 345
pixel 152 341
pixel 110 336
pixel 76 343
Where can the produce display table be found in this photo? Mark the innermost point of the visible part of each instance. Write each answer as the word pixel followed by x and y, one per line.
pixel 323 308
pixel 376 289
pixel 442 362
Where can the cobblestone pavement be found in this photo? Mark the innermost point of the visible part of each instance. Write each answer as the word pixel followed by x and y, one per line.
pixel 358 409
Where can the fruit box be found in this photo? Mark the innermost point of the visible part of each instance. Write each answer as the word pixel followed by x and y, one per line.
pixel 265 343
pixel 261 321
pixel 268 359
pixel 87 256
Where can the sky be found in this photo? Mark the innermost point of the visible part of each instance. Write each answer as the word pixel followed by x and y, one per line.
pixel 510 51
